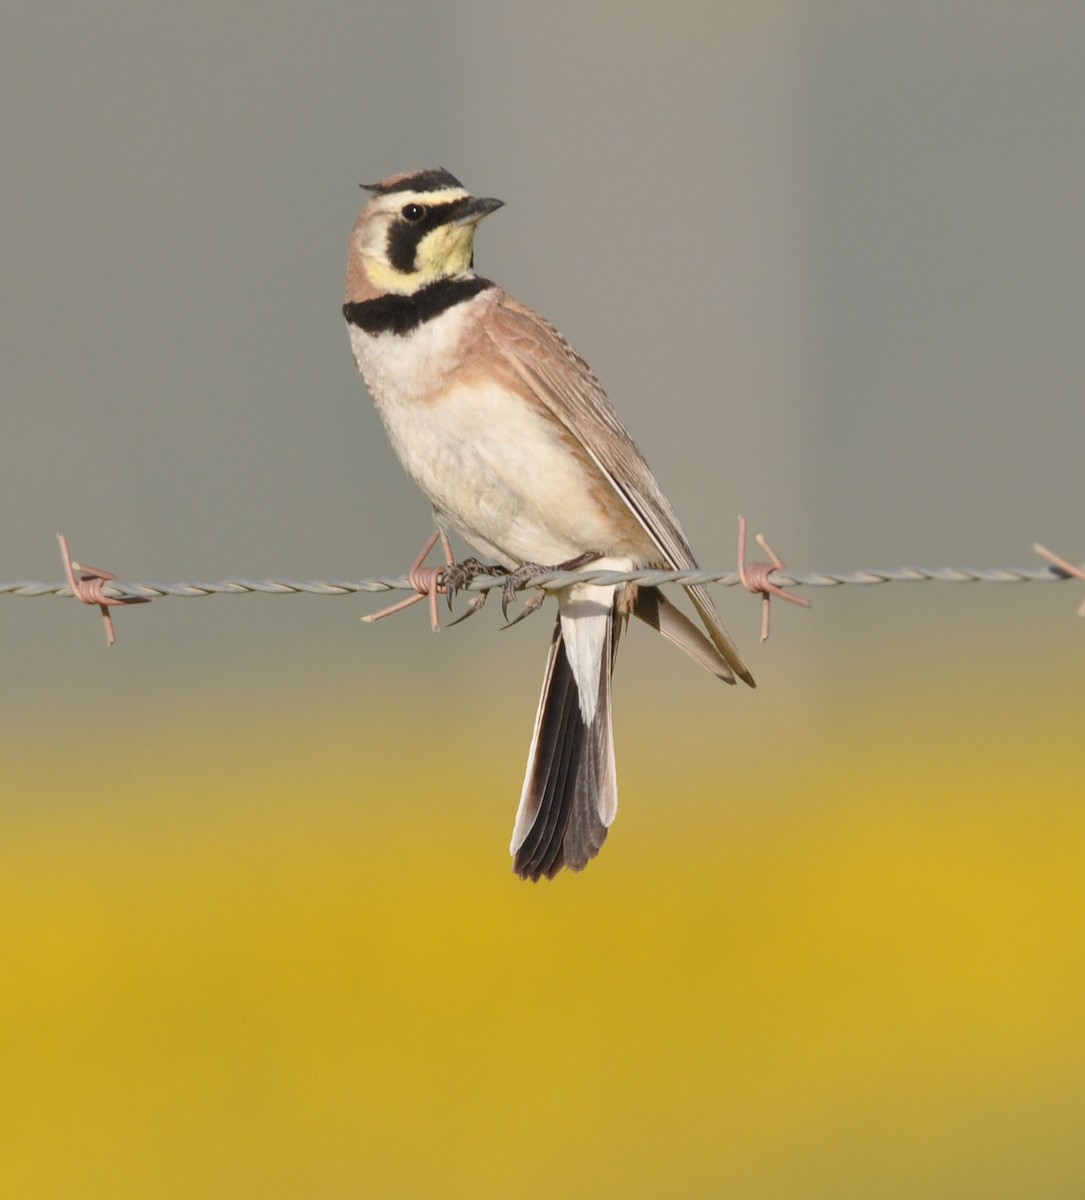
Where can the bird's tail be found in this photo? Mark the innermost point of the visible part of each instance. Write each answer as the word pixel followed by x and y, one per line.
pixel 570 791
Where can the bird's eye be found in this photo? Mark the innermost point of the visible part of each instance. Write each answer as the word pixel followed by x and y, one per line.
pixel 414 212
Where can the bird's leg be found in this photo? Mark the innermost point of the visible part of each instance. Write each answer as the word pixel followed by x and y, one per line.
pixel 515 580
pixel 427 582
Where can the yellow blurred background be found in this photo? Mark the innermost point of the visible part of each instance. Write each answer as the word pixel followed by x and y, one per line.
pixel 280 952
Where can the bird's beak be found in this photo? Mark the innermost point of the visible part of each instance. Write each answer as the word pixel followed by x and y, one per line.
pixel 475 209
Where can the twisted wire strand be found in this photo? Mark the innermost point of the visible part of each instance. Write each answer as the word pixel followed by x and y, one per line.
pixel 191 588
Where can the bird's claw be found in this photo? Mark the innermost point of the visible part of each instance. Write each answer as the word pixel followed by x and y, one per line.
pixel 473 605
pixel 533 604
pixel 515 580
pixel 458 575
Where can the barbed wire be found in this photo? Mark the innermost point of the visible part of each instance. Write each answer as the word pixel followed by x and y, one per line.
pixel 285 586
pixel 91 585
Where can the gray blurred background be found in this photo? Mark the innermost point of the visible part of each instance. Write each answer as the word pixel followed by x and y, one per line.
pixel 826 257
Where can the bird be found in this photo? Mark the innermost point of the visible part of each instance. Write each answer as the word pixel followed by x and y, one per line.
pixel 511 437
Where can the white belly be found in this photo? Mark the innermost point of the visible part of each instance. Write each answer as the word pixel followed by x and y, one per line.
pixel 499 474
pixel 495 467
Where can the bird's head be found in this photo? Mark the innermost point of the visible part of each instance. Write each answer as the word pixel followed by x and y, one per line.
pixel 417 229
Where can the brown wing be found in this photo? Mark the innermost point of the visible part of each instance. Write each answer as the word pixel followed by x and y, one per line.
pixel 564 383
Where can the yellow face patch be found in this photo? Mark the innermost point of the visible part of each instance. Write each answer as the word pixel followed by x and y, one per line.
pixel 442 254
pixel 446 251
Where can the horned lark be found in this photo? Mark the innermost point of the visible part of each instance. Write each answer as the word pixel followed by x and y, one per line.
pixel 510 435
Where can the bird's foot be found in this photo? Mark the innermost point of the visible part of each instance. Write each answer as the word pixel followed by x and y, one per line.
pixel 459 575
pixel 523 574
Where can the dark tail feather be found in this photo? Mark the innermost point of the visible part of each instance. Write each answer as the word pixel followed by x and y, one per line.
pixel 570 792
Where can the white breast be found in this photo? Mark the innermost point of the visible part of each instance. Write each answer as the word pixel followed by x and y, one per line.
pixel 492 462
pixel 413 367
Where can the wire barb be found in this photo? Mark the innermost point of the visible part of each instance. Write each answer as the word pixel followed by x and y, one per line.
pixel 427 582
pixel 755 577
pixel 87 587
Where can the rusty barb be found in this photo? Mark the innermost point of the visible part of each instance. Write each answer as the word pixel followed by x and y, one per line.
pixel 754 577
pixel 87 586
